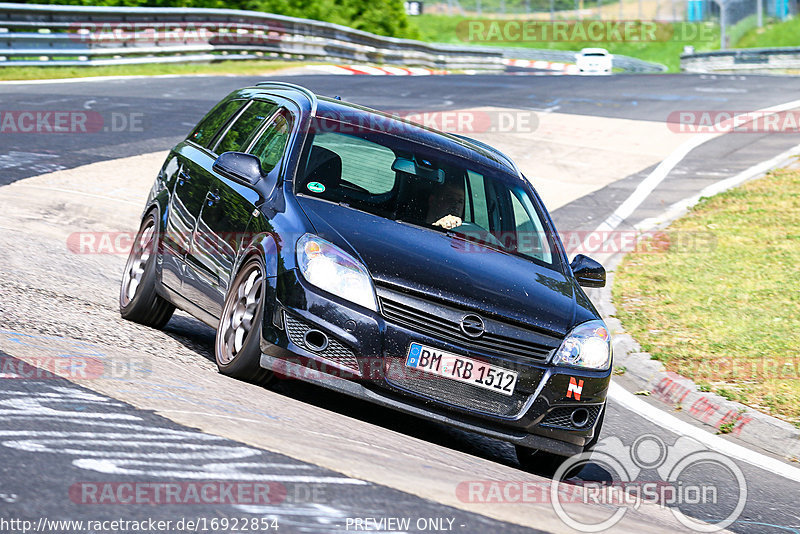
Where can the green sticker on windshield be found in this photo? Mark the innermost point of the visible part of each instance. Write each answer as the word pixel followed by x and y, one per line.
pixel 315 187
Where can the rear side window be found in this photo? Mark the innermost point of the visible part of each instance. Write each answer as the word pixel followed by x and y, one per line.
pixel 208 127
pixel 271 144
pixel 365 165
pixel 248 122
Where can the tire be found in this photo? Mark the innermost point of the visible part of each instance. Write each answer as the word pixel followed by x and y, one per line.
pixel 547 463
pixel 138 300
pixel 238 344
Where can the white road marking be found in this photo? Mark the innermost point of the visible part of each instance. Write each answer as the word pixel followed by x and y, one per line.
pixel 648 185
pixel 99 79
pixel 719 90
pixel 682 206
pixel 19 159
pixel 148 450
pixel 320 510
pixel 116 467
pixel 96 435
pixel 666 420
pixel 669 422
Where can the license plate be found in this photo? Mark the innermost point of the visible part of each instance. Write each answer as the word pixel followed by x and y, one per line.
pixel 455 367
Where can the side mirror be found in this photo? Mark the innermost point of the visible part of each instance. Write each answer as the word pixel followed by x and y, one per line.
pixel 238 166
pixel 588 272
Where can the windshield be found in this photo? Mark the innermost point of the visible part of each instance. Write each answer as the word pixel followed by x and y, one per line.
pixel 412 183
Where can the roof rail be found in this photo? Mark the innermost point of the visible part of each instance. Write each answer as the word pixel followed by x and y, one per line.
pixel 311 96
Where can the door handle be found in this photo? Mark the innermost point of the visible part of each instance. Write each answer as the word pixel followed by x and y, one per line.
pixel 213 197
pixel 183 177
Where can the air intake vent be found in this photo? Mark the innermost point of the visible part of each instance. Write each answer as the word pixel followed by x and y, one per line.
pixel 334 351
pixel 565 417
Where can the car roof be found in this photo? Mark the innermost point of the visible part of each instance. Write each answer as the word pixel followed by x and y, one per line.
pixel 594 51
pixel 361 116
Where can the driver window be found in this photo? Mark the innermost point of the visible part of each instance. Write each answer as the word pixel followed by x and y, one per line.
pixel 270 146
pixel 531 240
pixel 477 208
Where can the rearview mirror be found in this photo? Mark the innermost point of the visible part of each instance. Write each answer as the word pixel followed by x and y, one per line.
pixel 238 166
pixel 421 168
pixel 588 272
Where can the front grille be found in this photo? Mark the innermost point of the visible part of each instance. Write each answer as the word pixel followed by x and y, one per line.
pixel 335 351
pixel 453 392
pixel 444 327
pixel 560 417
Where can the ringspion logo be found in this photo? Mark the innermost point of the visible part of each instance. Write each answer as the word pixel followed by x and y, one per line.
pixel 648 472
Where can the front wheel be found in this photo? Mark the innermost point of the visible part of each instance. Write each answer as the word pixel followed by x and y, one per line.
pixel 138 300
pixel 237 348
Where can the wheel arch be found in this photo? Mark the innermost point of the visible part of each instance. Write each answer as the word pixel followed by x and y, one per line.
pixel 264 246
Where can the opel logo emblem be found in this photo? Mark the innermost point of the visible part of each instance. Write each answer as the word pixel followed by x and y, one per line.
pixel 472 325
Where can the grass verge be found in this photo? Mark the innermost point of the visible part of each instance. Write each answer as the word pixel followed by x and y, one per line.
pixel 773 34
pixel 721 304
pixel 242 68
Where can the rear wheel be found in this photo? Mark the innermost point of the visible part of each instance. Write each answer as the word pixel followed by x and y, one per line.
pixel 547 463
pixel 138 300
pixel 237 347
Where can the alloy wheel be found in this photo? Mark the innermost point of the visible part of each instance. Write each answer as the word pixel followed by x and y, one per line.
pixel 239 314
pixel 137 262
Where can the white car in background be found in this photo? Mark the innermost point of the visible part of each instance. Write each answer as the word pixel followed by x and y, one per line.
pixel 594 61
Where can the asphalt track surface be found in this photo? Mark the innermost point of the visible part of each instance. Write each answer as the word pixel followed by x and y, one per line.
pixel 166 108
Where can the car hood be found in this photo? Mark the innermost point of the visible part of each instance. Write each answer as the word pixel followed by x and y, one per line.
pixel 450 269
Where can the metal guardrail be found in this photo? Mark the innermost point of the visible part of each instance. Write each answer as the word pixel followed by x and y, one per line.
pixel 59 35
pixel 65 35
pixel 626 63
pixel 749 60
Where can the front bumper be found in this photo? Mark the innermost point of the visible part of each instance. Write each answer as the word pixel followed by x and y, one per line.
pixel 365 357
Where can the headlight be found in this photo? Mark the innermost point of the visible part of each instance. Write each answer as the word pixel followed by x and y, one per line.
pixel 328 267
pixel 587 346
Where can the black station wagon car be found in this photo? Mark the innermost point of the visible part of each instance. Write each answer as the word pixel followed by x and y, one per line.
pixel 412 268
